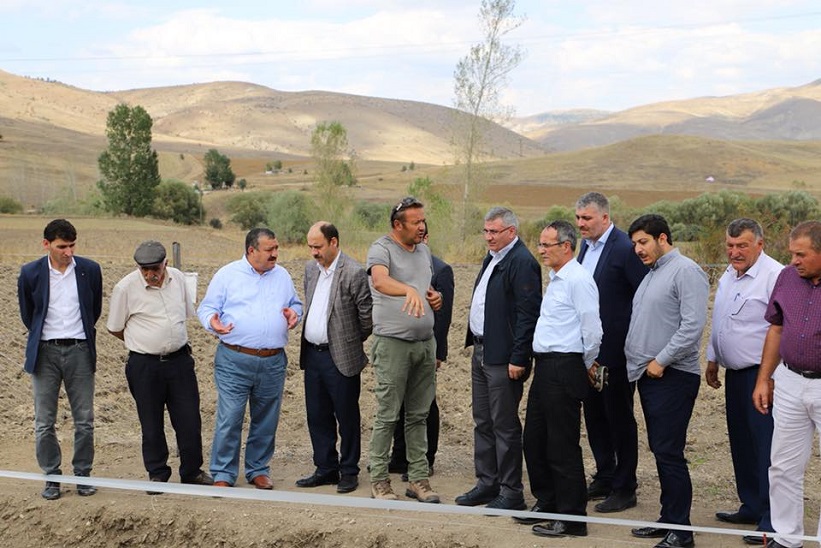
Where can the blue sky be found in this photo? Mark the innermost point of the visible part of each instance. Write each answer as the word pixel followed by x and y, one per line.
pixel 605 54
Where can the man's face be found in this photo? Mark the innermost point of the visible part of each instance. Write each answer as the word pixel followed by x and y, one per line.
pixel 497 235
pixel 646 247
pixel 411 230
pixel 264 257
pixel 743 251
pixel 592 222
pixel 60 252
pixel 805 259
pixel 321 249
pixel 552 252
pixel 153 274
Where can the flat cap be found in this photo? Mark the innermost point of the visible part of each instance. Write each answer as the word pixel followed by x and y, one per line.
pixel 149 252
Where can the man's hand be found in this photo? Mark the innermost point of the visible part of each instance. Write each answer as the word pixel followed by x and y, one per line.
pixel 591 373
pixel 515 372
pixel 291 317
pixel 414 305
pixel 438 364
pixel 763 395
pixel 711 375
pixel 655 370
pixel 434 299
pixel 218 326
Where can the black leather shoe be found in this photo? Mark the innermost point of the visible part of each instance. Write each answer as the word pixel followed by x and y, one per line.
pixel 598 490
pixel 51 491
pixel 753 540
pixel 316 479
pixel 200 479
pixel 676 540
pixel 507 503
pixel 157 479
pixel 86 490
pixel 538 507
pixel 477 496
pixel 616 502
pixel 772 543
pixel 347 483
pixel 735 517
pixel 649 532
pixel 561 529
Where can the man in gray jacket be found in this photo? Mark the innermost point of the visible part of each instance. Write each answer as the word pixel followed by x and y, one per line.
pixel 662 350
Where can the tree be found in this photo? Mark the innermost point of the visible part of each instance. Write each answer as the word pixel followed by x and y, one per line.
pixel 334 165
pixel 179 202
pixel 218 170
pixel 129 166
pixel 480 77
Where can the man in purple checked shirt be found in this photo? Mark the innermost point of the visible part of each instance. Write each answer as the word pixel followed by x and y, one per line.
pixel 793 391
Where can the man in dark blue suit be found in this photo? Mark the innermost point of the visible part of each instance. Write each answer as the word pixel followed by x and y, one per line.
pixel 607 253
pixel 61 298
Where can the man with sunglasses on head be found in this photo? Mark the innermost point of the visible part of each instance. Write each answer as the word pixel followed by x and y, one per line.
pixel 503 314
pixel 404 348
pixel 148 310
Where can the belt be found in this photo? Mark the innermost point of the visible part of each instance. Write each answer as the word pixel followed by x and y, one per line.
pixel 551 355
pixel 318 347
pixel 64 342
pixel 478 340
pixel 183 351
pixel 804 373
pixel 261 352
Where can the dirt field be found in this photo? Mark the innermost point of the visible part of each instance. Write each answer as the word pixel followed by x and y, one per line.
pixel 130 518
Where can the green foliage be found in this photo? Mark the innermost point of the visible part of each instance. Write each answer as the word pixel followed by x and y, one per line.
pixel 218 170
pixel 248 209
pixel 10 205
pixel 438 209
pixel 129 166
pixel 179 202
pixel 215 223
pixel 277 165
pixel 372 215
pixel 243 184
pixel 289 214
pixel 412 166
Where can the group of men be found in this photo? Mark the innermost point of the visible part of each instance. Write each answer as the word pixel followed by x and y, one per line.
pixel 628 312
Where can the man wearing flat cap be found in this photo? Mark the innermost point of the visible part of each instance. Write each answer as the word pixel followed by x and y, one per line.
pixel 148 311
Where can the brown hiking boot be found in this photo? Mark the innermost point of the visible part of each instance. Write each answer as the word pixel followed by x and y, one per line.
pixel 382 490
pixel 421 491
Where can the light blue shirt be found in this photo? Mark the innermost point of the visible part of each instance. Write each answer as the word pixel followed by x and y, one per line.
pixel 253 302
pixel 477 304
pixel 569 317
pixel 594 250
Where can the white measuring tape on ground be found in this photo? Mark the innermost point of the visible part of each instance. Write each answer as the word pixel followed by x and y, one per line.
pixel 348 501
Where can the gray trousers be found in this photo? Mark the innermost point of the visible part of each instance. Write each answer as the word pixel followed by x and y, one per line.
pixel 73 366
pixel 497 431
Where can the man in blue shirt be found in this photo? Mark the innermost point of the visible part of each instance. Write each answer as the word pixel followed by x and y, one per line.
pixel 250 305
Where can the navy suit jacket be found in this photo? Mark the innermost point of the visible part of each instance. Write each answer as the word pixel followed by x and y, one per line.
pixel 618 273
pixel 512 302
pixel 442 281
pixel 33 294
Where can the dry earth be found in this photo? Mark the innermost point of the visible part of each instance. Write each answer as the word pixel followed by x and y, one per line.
pixel 130 518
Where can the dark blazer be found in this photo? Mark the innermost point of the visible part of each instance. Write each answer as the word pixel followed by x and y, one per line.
pixel 512 301
pixel 33 294
pixel 349 314
pixel 442 281
pixel 618 273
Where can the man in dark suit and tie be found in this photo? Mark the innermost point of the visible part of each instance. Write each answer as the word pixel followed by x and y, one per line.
pixel 607 253
pixel 61 298
pixel 338 320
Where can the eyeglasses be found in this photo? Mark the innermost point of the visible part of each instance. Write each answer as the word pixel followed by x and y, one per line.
pixel 491 232
pixel 548 246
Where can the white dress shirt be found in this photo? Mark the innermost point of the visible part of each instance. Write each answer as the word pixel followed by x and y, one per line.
pixel 316 324
pixel 477 304
pixel 63 319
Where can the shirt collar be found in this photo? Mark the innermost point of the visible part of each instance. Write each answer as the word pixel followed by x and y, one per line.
pixel 602 239
pixel 331 269
pixel 666 258
pixel 69 268
pixel 504 251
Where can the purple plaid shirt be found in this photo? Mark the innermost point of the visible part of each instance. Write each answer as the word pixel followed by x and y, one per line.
pixel 795 304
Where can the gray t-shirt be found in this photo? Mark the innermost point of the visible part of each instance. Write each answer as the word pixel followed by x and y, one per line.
pixel 413 268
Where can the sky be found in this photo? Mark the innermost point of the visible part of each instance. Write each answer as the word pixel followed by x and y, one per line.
pixel 601 54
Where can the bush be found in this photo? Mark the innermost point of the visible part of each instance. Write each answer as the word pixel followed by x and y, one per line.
pixel 179 202
pixel 290 215
pixel 248 209
pixel 215 223
pixel 10 205
pixel 372 215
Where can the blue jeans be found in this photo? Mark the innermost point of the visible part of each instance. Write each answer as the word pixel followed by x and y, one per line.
pixel 243 379
pixel 73 366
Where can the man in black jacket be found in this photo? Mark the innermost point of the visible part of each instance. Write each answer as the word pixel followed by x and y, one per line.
pixel 503 314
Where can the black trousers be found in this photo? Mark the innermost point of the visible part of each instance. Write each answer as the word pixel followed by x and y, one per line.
pixel 332 399
pixel 612 432
pixel 155 386
pixel 398 457
pixel 552 431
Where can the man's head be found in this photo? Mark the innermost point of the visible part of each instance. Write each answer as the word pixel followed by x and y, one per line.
pixel 557 244
pixel 408 221
pixel 59 239
pixel 323 241
pixel 501 228
pixel 592 215
pixel 261 249
pixel 805 248
pixel 744 241
pixel 150 258
pixel 651 238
